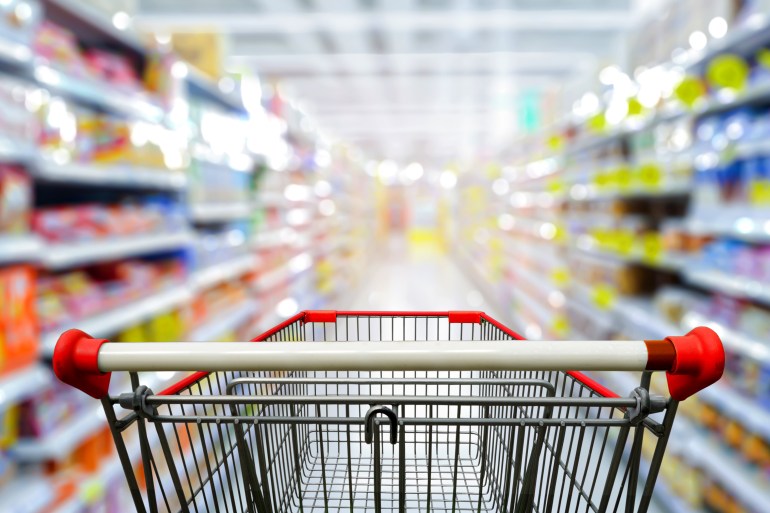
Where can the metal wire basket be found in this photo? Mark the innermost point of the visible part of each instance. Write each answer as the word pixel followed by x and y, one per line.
pixel 390 411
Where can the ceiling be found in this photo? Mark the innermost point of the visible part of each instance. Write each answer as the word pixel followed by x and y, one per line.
pixel 432 81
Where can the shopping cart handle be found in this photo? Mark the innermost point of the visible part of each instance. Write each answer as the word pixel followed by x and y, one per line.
pixel 692 362
pixel 699 362
pixel 75 362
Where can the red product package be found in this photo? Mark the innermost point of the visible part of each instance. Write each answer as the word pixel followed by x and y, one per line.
pixel 112 67
pixel 18 321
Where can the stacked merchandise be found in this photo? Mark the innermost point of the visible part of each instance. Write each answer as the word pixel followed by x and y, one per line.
pixel 313 236
pixel 122 217
pixel 648 223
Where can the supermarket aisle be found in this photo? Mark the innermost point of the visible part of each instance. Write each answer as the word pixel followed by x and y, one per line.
pixel 402 278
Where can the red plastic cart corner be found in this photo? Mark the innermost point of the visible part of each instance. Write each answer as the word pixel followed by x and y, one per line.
pixel 76 363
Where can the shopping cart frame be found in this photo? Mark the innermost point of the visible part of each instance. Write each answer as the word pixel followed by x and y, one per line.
pixel 691 363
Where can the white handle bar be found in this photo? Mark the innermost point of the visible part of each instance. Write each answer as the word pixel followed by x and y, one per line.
pixel 693 361
pixel 370 356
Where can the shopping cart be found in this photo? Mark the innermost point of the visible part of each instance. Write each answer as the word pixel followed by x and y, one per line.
pixel 390 411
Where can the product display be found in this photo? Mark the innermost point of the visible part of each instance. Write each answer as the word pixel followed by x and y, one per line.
pixel 79 294
pixel 586 172
pixel 15 200
pixel 18 320
pixel 92 222
pixel 70 133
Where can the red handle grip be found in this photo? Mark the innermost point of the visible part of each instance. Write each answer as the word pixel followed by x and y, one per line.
pixel 75 362
pixel 699 362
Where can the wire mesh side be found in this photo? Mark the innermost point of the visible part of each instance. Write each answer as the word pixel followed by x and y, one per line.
pixel 468 457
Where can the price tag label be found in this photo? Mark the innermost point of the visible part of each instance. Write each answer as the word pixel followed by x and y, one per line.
pixel 759 192
pixel 602 179
pixel 560 325
pixel 763 58
pixel 493 171
pixel 689 91
pixel 650 175
pixel 635 107
pixel 555 185
pixel 92 491
pixel 623 177
pixel 601 236
pixel 560 276
pixel 728 71
pixel 555 142
pixel 598 122
pixel 624 242
pixel 603 296
pixel 652 247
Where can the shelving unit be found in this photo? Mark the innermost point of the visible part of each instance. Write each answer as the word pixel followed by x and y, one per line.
pixel 214 329
pixel 19 248
pixel 540 225
pixel 223 272
pixel 113 321
pixel 22 383
pixel 122 175
pixel 213 212
pixel 63 255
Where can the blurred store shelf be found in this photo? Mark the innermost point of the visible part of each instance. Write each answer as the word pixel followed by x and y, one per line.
pixel 733 285
pixel 23 383
pixel 14 53
pixel 27 494
pixel 736 406
pixel 202 86
pixel 746 228
pixel 125 316
pixel 733 340
pixel 272 238
pixel 593 193
pixel 271 199
pixel 21 248
pixel 219 212
pixel 12 150
pixel 708 452
pixel 222 272
pixel 752 33
pixel 63 255
pixel 59 443
pixel 662 260
pixel 99 94
pixel 223 323
pixel 110 175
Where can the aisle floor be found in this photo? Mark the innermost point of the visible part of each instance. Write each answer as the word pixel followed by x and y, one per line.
pixel 400 277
